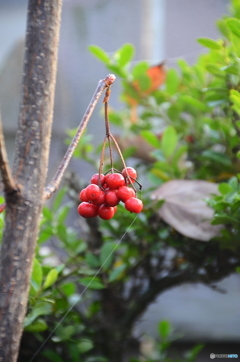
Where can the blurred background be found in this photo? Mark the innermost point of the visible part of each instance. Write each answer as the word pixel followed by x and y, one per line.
pixel 160 30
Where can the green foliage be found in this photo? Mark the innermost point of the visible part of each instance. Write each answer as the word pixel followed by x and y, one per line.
pixel 97 287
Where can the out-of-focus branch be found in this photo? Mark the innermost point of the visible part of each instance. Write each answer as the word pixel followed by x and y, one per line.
pixel 54 184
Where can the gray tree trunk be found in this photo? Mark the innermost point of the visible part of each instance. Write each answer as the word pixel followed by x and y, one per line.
pixel 30 168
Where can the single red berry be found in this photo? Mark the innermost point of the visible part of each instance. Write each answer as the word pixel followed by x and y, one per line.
pixel 92 192
pixel 111 198
pixel 134 205
pixel 82 196
pixel 129 172
pixel 101 199
pixel 98 179
pixel 114 180
pixel 106 212
pixel 125 192
pixel 87 210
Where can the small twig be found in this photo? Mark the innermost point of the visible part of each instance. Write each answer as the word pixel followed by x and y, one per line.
pixel 54 184
pixel 7 178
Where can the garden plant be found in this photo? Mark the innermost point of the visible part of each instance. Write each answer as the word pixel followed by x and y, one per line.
pixel 79 291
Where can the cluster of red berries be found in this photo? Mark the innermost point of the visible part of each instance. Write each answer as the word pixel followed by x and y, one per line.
pixel 102 196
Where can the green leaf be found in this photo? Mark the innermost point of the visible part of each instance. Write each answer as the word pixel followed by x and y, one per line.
pixel 68 289
pixel 223 27
pixel 191 102
pixel 125 54
pixel 92 260
pixel 92 283
pixel 234 26
pixel 52 356
pixel 85 345
pixel 106 254
pixel 151 138
pixel 140 69
pixel 36 277
pixel 238 269
pixel 117 272
pixel 99 53
pixel 37 326
pixel 209 43
pixel 41 308
pixel 224 188
pixel 220 158
pixel 169 141
pixel 164 329
pixel 50 278
pixel 172 81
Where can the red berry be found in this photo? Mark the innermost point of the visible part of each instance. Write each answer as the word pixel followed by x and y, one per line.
pixel 82 195
pixel 125 193
pixel 106 212
pixel 92 192
pixel 98 179
pixel 101 199
pixel 134 205
pixel 87 210
pixel 114 180
pixel 111 198
pixel 129 172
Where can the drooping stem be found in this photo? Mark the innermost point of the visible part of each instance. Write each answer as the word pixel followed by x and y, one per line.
pixel 7 178
pixel 54 184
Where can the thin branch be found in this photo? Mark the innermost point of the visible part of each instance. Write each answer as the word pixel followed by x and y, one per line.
pixel 7 178
pixel 54 184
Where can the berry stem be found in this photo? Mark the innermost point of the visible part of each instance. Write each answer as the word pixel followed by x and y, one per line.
pixel 54 184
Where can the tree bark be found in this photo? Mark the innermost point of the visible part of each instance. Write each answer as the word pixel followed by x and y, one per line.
pixel 24 206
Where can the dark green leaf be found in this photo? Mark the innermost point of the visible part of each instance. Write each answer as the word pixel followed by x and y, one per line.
pixel 106 254
pixel 117 272
pixel 92 283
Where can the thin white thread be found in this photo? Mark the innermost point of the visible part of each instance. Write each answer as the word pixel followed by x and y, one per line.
pixel 84 290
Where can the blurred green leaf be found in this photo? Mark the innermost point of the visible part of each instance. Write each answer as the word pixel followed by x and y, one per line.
pixel 234 26
pixel 209 43
pixel 151 138
pixel 85 345
pixel 172 81
pixel 125 54
pixel 106 254
pixel 164 329
pixel 224 188
pixel 99 53
pixel 50 278
pixel 116 272
pixel 169 141
pixel 37 326
pixel 36 277
pixel 92 282
pixel 41 308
